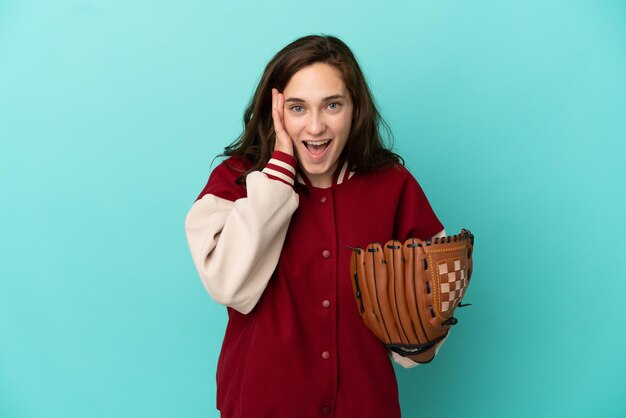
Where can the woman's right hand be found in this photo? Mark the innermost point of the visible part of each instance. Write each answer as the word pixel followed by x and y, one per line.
pixel 283 140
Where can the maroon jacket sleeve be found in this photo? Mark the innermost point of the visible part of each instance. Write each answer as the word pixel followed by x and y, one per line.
pixel 415 217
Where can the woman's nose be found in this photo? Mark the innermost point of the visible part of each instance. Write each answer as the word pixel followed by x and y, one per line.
pixel 316 125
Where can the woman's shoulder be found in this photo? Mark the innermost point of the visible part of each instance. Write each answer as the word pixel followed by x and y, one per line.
pixel 396 172
pixel 223 179
pixel 233 165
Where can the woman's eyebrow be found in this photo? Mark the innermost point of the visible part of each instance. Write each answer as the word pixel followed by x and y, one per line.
pixel 297 99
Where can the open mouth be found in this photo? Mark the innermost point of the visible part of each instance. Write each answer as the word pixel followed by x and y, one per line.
pixel 317 147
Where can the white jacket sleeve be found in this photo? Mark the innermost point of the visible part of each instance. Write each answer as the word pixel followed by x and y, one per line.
pixel 235 245
pixel 406 362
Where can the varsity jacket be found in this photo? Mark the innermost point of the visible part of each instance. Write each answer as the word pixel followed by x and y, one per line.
pixel 275 252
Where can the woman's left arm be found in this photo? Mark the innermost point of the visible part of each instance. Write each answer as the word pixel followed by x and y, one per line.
pixel 415 218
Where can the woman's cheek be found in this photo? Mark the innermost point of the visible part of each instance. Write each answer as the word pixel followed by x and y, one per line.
pixel 288 121
pixel 293 131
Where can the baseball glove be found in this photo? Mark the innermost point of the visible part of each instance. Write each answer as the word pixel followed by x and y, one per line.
pixel 407 293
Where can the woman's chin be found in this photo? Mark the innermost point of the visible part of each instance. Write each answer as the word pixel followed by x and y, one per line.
pixel 321 170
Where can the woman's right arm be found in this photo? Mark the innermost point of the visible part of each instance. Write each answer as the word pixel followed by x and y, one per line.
pixel 235 243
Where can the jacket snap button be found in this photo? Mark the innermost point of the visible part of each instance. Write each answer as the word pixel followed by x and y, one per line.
pixel 326 254
pixel 323 199
pixel 326 303
pixel 325 355
pixel 326 410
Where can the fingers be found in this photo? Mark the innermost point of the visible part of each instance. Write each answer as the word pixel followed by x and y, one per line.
pixel 283 140
pixel 281 106
pixel 277 111
pixel 278 103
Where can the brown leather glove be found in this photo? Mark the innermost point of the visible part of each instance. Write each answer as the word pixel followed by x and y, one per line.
pixel 407 293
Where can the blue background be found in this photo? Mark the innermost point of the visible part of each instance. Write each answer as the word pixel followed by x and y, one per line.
pixel 509 114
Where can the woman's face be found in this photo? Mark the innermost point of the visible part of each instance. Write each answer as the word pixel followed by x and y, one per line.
pixel 318 117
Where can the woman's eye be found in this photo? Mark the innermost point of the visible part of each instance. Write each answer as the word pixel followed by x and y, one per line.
pixel 297 108
pixel 333 106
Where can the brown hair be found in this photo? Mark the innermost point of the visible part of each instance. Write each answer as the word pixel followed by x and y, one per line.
pixel 364 149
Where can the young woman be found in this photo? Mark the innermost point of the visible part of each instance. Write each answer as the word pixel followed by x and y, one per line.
pixel 269 235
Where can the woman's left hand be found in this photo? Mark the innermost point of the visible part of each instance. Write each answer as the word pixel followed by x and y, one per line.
pixel 283 140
